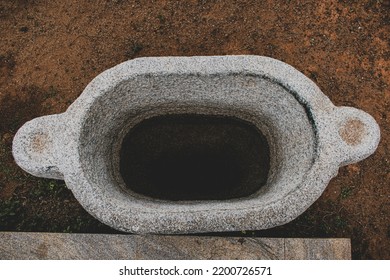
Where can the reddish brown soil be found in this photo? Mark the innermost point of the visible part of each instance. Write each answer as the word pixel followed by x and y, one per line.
pixel 50 50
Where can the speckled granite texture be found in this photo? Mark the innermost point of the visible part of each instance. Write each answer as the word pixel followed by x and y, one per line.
pixel 309 139
pixel 29 245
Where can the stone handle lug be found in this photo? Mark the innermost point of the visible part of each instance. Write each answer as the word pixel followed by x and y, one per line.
pixel 356 137
pixel 35 146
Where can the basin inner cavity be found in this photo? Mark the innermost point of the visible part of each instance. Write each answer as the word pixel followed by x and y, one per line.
pixel 194 157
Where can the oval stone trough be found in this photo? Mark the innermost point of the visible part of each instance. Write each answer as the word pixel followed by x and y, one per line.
pixel 197 144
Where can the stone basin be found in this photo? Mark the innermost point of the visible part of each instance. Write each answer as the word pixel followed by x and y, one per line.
pixel 197 144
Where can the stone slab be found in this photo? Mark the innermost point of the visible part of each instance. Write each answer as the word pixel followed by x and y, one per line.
pixel 23 245
pixel 317 249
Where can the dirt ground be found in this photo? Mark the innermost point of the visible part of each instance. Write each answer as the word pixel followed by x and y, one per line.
pixel 50 50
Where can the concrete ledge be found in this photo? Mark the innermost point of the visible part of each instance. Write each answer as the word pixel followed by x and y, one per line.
pixel 23 245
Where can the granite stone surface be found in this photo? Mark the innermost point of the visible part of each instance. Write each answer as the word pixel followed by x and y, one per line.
pixel 19 245
pixel 307 139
